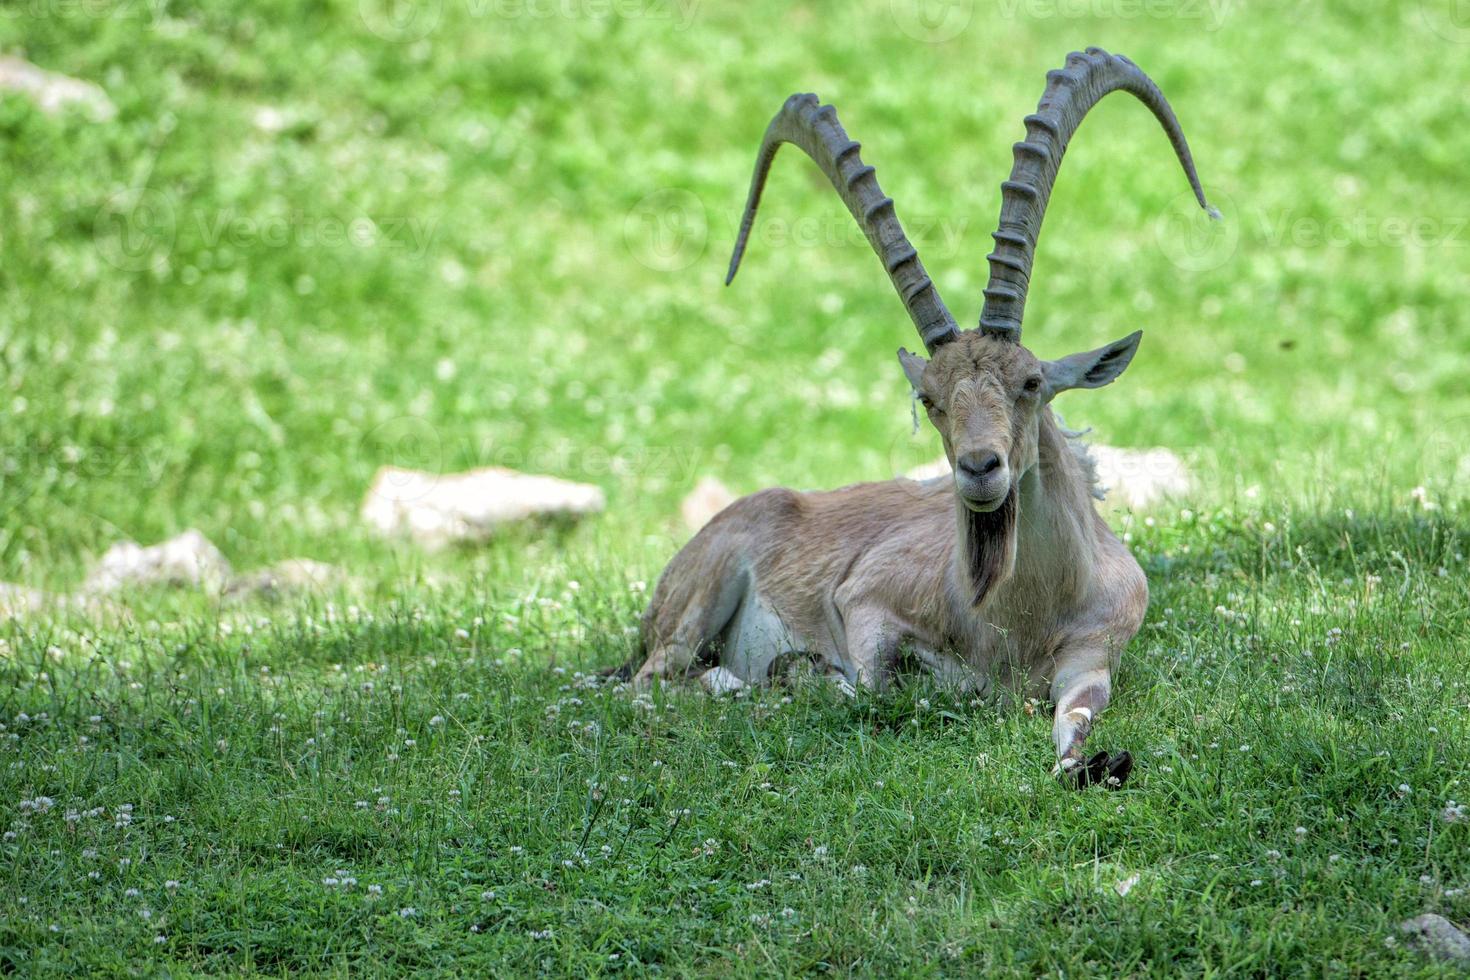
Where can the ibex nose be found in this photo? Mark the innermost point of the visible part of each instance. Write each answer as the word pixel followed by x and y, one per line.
pixel 978 465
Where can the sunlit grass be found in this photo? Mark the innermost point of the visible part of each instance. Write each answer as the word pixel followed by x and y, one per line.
pixel 314 241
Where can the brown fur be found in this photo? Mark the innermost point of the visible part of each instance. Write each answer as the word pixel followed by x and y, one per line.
pixel 1033 595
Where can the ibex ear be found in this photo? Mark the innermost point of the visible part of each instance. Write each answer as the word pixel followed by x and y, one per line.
pixel 913 368
pixel 1092 369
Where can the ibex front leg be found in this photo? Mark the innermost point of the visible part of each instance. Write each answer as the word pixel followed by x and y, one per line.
pixel 1080 692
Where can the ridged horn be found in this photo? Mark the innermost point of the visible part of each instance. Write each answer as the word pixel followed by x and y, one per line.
pixel 806 123
pixel 1070 93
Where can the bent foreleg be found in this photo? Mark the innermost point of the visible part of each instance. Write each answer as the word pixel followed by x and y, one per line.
pixel 1080 696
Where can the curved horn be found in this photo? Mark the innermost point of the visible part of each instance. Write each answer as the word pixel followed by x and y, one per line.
pixel 1070 93
pixel 806 123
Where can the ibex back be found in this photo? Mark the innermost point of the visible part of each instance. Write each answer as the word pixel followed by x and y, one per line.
pixel 1001 578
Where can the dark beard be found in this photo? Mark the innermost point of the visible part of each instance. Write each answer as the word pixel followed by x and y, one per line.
pixel 990 543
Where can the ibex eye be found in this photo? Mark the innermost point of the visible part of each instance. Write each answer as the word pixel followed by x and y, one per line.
pixel 1032 384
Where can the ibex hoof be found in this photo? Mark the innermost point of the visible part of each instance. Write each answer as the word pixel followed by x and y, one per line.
pixel 1110 771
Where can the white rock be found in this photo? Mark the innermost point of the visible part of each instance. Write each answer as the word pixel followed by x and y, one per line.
pixel 288 576
pixel 1139 478
pixel 928 471
pixel 18 600
pixel 707 499
pixel 435 510
pixel 1133 478
pixel 186 560
pixel 1438 937
pixel 718 680
pixel 52 92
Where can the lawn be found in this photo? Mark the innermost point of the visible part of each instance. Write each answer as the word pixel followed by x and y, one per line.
pixel 318 238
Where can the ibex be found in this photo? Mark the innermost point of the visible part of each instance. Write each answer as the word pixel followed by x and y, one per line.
pixel 1000 578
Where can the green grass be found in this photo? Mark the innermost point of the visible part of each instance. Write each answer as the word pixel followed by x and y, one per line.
pixel 503 242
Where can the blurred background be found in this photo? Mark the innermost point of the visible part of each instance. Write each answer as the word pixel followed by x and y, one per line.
pixel 250 255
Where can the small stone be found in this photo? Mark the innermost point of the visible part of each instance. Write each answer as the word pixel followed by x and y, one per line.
pixel 18 600
pixel 929 471
pixel 188 559
pixel 1136 479
pixel 1139 478
pixel 435 510
pixel 1438 937
pixel 52 92
pixel 288 577
pixel 707 499
pixel 718 680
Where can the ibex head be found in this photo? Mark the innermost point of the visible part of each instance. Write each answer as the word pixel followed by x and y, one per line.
pixel 983 391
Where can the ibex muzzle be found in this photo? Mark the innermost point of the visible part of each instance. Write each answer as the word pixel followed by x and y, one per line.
pixel 1000 578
